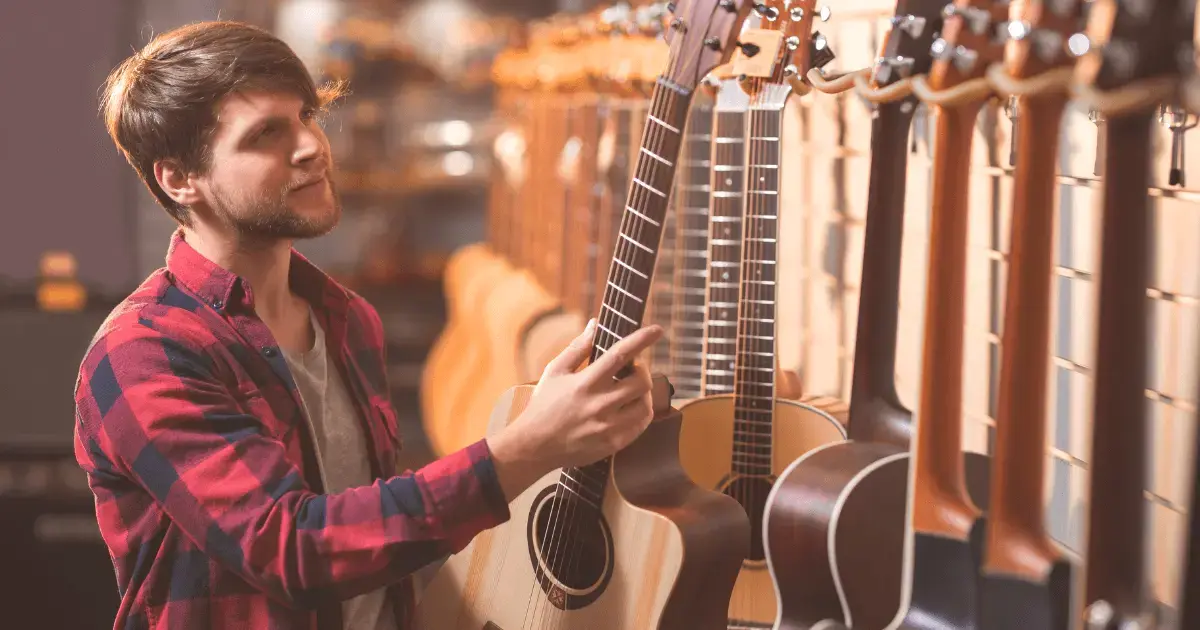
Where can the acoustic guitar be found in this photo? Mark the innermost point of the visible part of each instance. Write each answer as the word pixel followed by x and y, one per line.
pixel 1026 580
pixel 628 542
pixel 1115 574
pixel 474 270
pixel 833 553
pixel 691 245
pixel 737 439
pixel 519 299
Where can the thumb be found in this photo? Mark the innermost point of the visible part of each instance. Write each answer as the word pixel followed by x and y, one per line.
pixel 574 354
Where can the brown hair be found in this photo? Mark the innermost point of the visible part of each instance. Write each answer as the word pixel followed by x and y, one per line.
pixel 161 102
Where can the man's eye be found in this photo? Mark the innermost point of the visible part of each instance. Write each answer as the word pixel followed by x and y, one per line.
pixel 308 115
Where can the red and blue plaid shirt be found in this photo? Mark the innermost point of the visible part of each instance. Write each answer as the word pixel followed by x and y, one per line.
pixel 191 432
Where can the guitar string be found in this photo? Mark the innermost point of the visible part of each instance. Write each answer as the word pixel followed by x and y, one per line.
pixel 645 170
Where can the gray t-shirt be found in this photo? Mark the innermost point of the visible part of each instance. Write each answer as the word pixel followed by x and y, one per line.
pixel 341 455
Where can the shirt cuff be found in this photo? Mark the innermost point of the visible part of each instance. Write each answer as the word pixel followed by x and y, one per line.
pixel 474 501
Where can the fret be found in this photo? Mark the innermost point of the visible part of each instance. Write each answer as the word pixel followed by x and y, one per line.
pixel 656 156
pixel 726 219
pixel 763 282
pixel 766 138
pixel 650 188
pixel 762 240
pixel 638 243
pixel 643 217
pixel 728 141
pixel 626 293
pixel 728 168
pixel 704 164
pixel 713 372
pixel 756 319
pixel 723 304
pixel 718 387
pixel 757 368
pixel 724 241
pixel 771 166
pixel 696 233
pixel 763 192
pixel 727 195
pixel 770 302
pixel 626 265
pixel 660 122
pixel 770 355
pixel 619 314
pixel 722 323
pixel 724 263
pixel 602 327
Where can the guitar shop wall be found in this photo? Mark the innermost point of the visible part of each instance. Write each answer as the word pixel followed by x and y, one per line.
pixel 821 270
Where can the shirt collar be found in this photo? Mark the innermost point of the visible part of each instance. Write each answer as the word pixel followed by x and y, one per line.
pixel 221 288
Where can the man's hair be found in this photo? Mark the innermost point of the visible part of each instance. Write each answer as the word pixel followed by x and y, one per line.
pixel 161 102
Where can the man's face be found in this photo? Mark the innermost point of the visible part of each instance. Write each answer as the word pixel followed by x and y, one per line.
pixel 270 176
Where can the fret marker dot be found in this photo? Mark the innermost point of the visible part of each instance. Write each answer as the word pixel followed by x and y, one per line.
pixel 726 231
pixel 761 178
pixel 725 275
pixel 728 181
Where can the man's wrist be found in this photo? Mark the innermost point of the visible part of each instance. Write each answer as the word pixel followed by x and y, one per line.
pixel 518 463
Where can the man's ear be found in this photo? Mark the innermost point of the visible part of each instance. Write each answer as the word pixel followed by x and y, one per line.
pixel 177 182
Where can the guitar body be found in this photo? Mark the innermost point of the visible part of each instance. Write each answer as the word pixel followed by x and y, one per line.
pixel 707 451
pixel 457 350
pixel 1010 603
pixel 506 314
pixel 545 339
pixel 834 535
pixel 664 555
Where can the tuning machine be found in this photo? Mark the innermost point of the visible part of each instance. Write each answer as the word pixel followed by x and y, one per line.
pixel 1177 119
pixel 770 13
pixel 963 58
pixel 819 52
pixel 911 24
pixel 977 19
pixel 901 66
pixel 1047 44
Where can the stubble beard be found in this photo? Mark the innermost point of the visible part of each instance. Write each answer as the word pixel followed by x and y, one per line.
pixel 267 218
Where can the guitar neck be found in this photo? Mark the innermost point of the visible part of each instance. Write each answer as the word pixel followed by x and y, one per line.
pixel 691 250
pixel 755 364
pixel 631 274
pixel 1017 542
pixel 876 414
pixel 580 254
pixel 728 186
pixel 940 505
pixel 1116 563
pixel 616 182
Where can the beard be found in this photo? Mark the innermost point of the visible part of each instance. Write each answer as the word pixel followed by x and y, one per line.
pixel 267 217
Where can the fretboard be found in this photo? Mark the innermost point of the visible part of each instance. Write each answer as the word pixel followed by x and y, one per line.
pixel 728 187
pixel 755 365
pixel 691 250
pixel 635 253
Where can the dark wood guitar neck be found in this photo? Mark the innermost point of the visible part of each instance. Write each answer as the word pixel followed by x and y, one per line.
pixel 1116 565
pixel 754 398
pixel 631 273
pixel 876 414
pixel 691 250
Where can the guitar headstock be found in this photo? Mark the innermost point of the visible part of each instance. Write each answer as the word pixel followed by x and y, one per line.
pixel 971 40
pixel 1134 39
pixel 783 47
pixel 1039 32
pixel 701 34
pixel 906 48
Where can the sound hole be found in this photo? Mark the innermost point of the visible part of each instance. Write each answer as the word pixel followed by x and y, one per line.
pixel 571 548
pixel 752 493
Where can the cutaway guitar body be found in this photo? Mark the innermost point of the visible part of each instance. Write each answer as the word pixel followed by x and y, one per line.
pixel 510 308
pixel 708 450
pixel 458 353
pixel 655 556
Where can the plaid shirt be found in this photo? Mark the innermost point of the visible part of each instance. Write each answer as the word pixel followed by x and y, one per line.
pixel 208 496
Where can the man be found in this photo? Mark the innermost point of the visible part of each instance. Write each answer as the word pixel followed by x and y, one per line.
pixel 232 413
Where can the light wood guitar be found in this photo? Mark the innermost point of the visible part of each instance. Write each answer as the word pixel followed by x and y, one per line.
pixel 1115 580
pixel 474 271
pixel 739 438
pixel 629 542
pixel 1027 579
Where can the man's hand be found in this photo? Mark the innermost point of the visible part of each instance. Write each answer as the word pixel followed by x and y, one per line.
pixel 576 418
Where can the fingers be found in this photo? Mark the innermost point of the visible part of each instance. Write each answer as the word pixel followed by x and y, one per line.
pixel 632 388
pixel 621 354
pixel 574 354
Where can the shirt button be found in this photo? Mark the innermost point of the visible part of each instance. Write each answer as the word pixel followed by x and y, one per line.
pixel 268 352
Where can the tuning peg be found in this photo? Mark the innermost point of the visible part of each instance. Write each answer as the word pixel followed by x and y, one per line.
pixel 976 18
pixel 728 5
pixel 749 49
pixel 824 13
pixel 884 67
pixel 670 7
pixel 962 57
pixel 679 25
pixel 792 42
pixel 819 52
pixel 1079 44
pixel 911 24
pixel 771 13
pixel 1121 56
pixel 713 43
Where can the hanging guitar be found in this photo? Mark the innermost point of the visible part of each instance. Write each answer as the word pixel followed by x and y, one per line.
pixel 1126 46
pixel 834 524
pixel 628 542
pixel 1026 580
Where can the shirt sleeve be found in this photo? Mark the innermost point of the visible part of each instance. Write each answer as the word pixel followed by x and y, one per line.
pixel 169 423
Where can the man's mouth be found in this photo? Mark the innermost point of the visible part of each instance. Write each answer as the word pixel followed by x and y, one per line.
pixel 308 183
